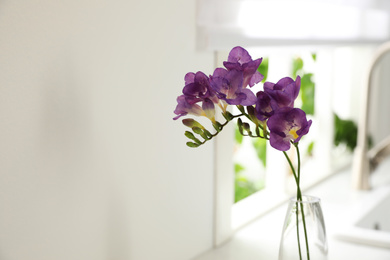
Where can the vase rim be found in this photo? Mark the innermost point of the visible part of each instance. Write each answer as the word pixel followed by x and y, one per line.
pixel 306 199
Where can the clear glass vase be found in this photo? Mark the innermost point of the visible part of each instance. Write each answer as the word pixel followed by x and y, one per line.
pixel 304 234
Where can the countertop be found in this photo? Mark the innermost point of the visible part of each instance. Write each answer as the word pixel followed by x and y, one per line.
pixel 260 239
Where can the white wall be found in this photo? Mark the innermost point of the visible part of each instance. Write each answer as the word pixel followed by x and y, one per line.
pixel 92 166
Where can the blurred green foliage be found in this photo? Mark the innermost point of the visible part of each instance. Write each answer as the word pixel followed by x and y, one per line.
pixel 263 69
pixel 307 92
pixel 345 132
pixel 243 186
pixel 238 137
pixel 297 66
pixel 310 149
pixel 260 146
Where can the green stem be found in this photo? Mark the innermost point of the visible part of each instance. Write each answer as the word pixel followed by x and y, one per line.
pixel 299 194
pixel 297 205
pixel 297 223
pixel 297 177
pixel 259 124
pixel 221 128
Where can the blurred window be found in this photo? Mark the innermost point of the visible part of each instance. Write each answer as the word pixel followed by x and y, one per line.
pixel 295 38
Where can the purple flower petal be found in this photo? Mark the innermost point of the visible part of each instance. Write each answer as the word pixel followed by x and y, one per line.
pixel 239 59
pixel 228 85
pixel 255 78
pixel 284 92
pixel 279 141
pixel 197 85
pixel 239 55
pixel 209 108
pixel 287 124
pixel 220 73
pixel 235 78
pixel 189 78
pixel 185 106
pixel 197 89
pixel 250 98
pixel 263 106
pixel 251 75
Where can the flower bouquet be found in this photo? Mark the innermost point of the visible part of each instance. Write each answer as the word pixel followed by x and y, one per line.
pixel 269 114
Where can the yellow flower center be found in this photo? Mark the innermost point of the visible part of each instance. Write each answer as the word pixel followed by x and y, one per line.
pixel 293 133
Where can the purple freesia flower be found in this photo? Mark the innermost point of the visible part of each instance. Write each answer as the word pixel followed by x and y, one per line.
pixel 197 89
pixel 197 85
pixel 239 59
pixel 263 106
pixel 287 124
pixel 228 85
pixel 283 93
pixel 187 105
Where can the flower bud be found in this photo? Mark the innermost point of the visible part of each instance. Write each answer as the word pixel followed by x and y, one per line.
pixel 247 128
pixel 217 125
pixel 192 123
pixel 208 134
pixel 239 124
pixel 192 137
pixel 201 132
pixel 192 145
pixel 252 114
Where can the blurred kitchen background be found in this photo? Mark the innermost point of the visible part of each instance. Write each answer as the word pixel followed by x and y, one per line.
pixel 92 164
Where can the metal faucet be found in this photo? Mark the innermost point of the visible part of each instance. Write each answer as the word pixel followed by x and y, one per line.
pixel 365 161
